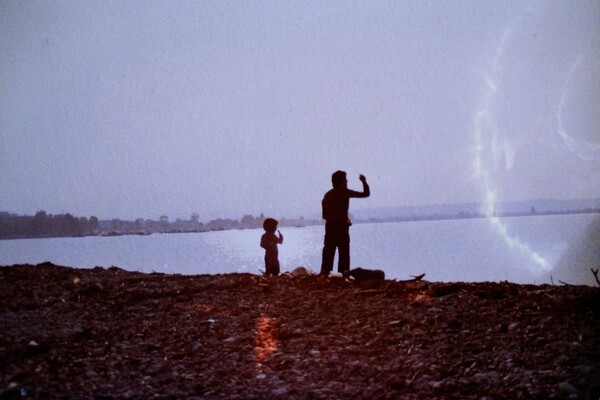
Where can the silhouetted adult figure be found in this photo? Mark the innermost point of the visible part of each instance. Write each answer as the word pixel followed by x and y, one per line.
pixel 337 224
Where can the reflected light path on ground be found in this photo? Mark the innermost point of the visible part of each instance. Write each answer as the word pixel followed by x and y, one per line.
pixel 265 341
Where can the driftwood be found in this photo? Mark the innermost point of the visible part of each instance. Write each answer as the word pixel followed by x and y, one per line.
pixel 595 272
pixel 417 278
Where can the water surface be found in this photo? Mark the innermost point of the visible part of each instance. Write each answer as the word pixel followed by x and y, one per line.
pixel 451 250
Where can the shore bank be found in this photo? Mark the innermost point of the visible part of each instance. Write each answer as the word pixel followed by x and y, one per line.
pixel 112 334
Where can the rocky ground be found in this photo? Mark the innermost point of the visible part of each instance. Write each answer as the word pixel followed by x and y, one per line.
pixel 112 334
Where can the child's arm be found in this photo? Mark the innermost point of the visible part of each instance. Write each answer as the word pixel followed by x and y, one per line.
pixel 280 239
pixel 263 242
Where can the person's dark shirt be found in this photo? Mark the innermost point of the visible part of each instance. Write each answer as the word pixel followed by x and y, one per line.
pixel 336 202
pixel 269 242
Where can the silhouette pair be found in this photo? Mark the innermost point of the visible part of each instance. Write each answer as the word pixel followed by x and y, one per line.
pixel 335 206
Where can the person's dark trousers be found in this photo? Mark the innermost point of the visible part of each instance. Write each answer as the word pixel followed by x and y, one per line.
pixel 337 236
pixel 271 266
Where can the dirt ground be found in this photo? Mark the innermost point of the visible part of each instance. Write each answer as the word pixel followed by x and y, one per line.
pixel 112 334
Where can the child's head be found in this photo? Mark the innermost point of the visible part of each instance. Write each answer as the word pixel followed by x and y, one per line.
pixel 270 225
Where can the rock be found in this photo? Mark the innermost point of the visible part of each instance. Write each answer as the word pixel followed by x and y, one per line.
pixel 280 393
pixel 300 271
pixel 566 389
pixel 436 384
pixel 487 379
pixel 322 394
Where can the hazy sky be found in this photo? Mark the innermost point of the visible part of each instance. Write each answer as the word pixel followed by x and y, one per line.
pixel 146 108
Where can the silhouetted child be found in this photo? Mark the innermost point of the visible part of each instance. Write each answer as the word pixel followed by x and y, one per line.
pixel 269 242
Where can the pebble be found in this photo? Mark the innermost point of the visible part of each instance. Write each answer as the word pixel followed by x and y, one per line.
pixel 512 326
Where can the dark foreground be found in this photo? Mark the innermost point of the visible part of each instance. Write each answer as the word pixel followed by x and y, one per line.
pixel 111 334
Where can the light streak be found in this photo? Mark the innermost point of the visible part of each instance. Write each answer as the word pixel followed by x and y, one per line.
pixel 581 148
pixel 485 127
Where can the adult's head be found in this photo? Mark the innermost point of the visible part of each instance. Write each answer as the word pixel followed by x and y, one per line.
pixel 338 179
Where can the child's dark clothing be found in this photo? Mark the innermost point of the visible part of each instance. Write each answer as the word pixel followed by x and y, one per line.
pixel 269 242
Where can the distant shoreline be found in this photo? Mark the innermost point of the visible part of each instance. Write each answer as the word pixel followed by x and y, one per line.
pixel 423 218
pixel 478 216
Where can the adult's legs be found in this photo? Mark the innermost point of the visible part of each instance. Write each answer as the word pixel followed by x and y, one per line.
pixel 344 251
pixel 336 236
pixel 327 262
pixel 331 243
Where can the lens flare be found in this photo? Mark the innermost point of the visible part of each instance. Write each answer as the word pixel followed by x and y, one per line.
pixel 582 148
pixel 488 142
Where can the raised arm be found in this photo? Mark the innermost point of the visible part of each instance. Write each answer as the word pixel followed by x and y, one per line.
pixel 366 190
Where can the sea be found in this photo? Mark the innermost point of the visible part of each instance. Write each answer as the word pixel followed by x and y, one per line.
pixel 543 249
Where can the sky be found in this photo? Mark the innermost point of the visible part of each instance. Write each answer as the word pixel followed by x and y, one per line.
pixel 127 109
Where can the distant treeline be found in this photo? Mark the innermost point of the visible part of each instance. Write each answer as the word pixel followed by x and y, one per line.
pixel 42 224
pixel 13 226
